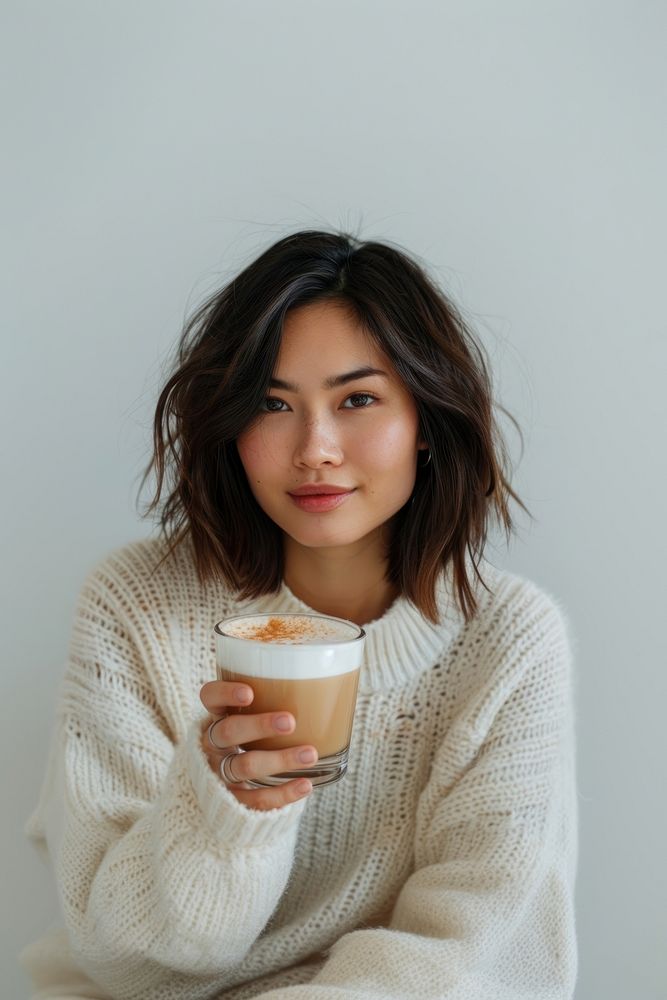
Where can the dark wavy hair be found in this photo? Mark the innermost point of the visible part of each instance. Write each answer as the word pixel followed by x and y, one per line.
pixel 225 359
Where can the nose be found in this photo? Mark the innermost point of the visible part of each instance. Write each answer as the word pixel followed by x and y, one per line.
pixel 318 444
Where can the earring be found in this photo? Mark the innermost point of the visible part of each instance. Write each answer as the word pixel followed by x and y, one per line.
pixel 424 464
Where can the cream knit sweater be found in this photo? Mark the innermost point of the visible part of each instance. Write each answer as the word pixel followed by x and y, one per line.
pixel 441 866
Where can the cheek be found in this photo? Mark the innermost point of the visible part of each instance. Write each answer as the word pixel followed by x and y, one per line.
pixel 258 451
pixel 391 446
pixel 391 464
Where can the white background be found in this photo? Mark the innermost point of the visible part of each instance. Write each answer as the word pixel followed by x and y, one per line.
pixel 152 149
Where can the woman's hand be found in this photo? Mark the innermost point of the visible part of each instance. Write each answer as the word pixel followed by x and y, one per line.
pixel 231 730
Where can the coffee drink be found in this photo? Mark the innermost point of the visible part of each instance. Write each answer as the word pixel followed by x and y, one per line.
pixel 305 664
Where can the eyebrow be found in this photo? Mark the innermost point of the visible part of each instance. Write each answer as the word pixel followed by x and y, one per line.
pixel 332 382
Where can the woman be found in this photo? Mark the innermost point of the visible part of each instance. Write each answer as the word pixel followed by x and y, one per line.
pixel 443 864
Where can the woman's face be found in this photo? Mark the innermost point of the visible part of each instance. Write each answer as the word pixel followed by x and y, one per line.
pixel 361 434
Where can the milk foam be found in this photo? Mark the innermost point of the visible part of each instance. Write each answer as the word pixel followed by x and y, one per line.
pixel 293 629
pixel 289 646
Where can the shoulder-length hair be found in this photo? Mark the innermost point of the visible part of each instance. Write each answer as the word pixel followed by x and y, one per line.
pixel 225 359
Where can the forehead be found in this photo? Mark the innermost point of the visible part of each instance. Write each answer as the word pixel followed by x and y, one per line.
pixel 326 333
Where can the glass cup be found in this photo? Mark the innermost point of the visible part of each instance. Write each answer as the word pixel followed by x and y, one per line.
pixel 306 664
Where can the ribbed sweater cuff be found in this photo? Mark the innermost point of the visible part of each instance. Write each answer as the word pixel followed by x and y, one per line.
pixel 228 819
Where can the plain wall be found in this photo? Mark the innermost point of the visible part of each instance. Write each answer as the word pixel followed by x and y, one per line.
pixel 153 148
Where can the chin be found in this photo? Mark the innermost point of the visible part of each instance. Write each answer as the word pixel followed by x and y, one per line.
pixel 321 536
pixel 325 539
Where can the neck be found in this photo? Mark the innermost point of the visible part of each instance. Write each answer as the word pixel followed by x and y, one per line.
pixel 344 582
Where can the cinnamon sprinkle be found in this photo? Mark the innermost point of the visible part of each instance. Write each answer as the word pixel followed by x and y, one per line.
pixel 281 630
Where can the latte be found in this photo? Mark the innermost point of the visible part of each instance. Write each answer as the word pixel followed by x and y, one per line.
pixel 304 664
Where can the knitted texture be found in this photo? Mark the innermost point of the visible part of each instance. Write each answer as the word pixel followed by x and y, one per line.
pixel 441 866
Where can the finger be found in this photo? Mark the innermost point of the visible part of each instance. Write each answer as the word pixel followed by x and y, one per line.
pixel 272 798
pixel 216 696
pixel 232 730
pixel 256 764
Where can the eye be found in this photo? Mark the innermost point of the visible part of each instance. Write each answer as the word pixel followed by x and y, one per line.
pixel 272 409
pixel 361 395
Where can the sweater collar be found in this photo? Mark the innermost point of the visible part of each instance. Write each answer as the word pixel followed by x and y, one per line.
pixel 399 645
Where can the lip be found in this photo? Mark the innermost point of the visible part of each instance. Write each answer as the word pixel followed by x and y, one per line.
pixel 318 489
pixel 316 503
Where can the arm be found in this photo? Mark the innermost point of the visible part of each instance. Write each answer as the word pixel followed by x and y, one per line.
pixel 488 912
pixel 163 875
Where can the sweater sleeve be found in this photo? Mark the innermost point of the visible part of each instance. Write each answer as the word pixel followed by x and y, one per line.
pixel 488 912
pixel 163 876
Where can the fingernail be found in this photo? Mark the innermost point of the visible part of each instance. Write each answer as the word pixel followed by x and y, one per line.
pixel 283 723
pixel 242 694
pixel 304 787
pixel 307 756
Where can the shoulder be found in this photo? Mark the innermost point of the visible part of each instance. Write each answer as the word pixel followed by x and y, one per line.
pixel 129 570
pixel 140 561
pixel 144 623
pixel 146 577
pixel 521 640
pixel 519 611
